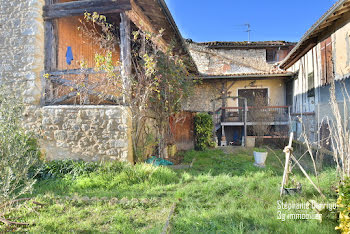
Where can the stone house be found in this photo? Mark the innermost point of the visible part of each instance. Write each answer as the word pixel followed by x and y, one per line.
pixel 320 57
pixel 245 69
pixel 40 37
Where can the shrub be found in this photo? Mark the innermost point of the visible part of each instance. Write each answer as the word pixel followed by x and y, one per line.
pixel 60 168
pixel 126 175
pixel 18 150
pixel 107 174
pixel 343 204
pixel 203 124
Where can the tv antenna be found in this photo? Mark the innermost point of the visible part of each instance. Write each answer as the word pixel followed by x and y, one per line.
pixel 248 31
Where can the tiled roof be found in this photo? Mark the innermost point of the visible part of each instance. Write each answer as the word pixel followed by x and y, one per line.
pixel 243 43
pixel 277 73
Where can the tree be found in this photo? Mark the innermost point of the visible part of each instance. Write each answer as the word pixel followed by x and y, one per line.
pixel 260 116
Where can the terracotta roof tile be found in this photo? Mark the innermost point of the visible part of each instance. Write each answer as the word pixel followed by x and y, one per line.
pixel 243 43
pixel 263 74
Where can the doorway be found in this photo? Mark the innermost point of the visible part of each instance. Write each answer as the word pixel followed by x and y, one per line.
pixel 253 96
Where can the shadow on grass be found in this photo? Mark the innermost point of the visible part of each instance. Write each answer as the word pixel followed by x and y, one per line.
pixel 221 193
pixel 162 182
pixel 240 163
pixel 238 222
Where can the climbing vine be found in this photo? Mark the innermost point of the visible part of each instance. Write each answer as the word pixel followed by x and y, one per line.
pixel 154 91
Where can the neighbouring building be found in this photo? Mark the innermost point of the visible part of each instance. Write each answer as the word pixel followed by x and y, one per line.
pixel 41 37
pixel 320 57
pixel 246 70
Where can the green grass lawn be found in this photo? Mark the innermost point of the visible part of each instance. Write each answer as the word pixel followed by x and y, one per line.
pixel 222 193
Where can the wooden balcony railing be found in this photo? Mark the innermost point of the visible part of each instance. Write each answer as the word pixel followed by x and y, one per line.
pixel 86 85
pixel 270 114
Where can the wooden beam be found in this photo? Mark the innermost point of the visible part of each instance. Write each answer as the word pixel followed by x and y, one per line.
pixel 342 10
pixel 74 72
pixel 78 12
pixel 142 21
pixel 50 62
pixel 50 57
pixel 69 83
pixel 319 30
pixel 148 4
pixel 125 51
pixel 64 82
pixel 50 43
pixel 63 98
pixel 230 86
pixel 312 43
pixel 324 25
pixel 156 15
pixel 106 97
pixel 333 18
pixel 75 8
pixel 83 4
pixel 327 27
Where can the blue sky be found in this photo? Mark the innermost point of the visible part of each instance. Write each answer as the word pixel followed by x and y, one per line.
pixel 223 20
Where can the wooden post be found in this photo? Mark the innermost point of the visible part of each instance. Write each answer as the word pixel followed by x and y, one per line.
pixel 86 85
pixel 245 121
pixel 50 45
pixel 172 210
pixel 125 53
pixel 50 62
pixel 287 150
pixel 289 119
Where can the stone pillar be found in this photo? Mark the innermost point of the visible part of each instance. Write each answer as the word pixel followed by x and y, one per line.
pixel 22 48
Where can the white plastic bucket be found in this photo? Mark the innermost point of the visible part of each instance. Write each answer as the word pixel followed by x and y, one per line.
pixel 260 158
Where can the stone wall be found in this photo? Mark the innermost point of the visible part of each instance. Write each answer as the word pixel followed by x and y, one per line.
pixel 203 93
pixel 229 61
pixel 91 133
pixel 22 47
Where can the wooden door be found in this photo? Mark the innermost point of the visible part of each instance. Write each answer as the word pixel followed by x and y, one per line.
pixel 182 128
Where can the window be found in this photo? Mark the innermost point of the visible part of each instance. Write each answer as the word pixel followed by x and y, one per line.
pixel 327 75
pixel 271 55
